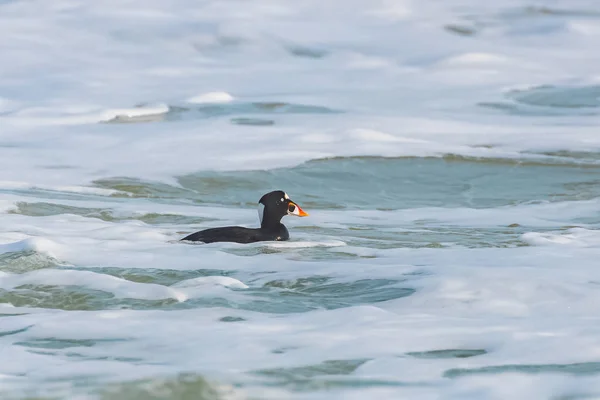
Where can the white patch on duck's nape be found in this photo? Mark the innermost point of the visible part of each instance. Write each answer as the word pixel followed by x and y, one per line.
pixel 261 212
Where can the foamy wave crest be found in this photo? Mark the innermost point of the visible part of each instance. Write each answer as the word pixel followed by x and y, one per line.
pixel 40 245
pixel 59 188
pixel 224 281
pixel 574 237
pixel 211 97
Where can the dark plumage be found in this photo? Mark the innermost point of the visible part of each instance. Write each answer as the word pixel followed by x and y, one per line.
pixel 275 205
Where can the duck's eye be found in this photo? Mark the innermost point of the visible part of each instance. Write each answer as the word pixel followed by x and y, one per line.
pixel 282 200
pixel 291 208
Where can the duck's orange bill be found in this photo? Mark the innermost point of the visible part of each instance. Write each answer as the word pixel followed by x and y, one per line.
pixel 301 212
pixel 297 210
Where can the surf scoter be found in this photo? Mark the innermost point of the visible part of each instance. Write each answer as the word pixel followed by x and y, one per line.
pixel 272 207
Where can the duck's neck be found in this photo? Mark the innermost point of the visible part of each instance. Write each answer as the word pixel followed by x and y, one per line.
pixel 270 222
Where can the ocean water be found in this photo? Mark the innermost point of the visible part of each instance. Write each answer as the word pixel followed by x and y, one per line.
pixel 448 152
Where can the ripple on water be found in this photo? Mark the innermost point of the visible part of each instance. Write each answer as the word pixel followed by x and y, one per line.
pixel 559 96
pixel 585 368
pixel 133 187
pixel 256 113
pixel 550 100
pixel 43 209
pixel 252 121
pixel 329 374
pixel 73 298
pixel 329 367
pixel 521 20
pixel 152 289
pixel 57 344
pixel 183 386
pixel 300 295
pixel 448 353
pixel 176 387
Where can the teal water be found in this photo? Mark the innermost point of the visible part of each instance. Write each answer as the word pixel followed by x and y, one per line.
pixel 388 183
pixel 361 209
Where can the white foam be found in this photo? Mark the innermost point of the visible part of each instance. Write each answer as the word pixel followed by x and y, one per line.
pixel 544 214
pixel 588 28
pixel 131 114
pixel 393 10
pixel 74 116
pixel 211 97
pixel 74 65
pixel 306 244
pixel 429 110
pixel 225 281
pixel 7 105
pixel 475 60
pixel 574 237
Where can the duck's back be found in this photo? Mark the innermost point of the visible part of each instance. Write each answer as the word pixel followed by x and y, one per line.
pixel 238 234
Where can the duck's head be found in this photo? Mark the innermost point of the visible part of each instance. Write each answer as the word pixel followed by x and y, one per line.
pixel 275 205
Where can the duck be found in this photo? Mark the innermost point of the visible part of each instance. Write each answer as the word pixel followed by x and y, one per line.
pixel 273 206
